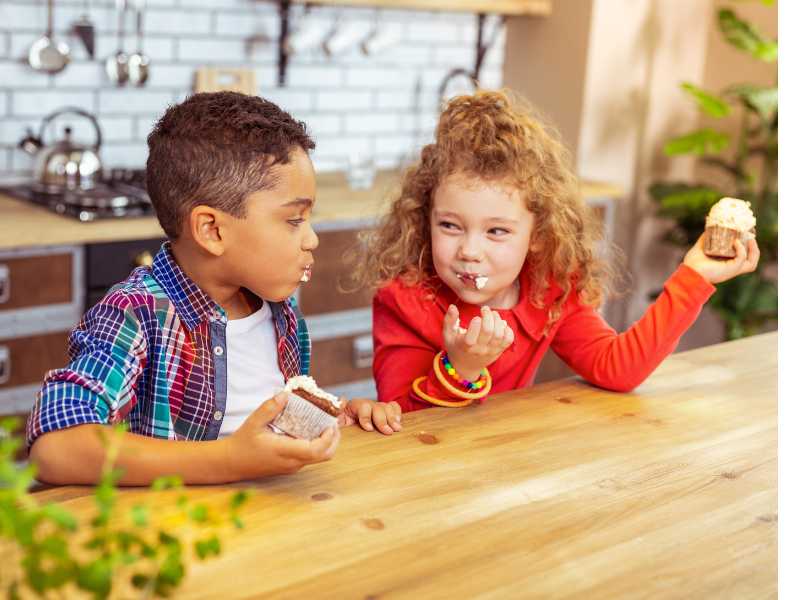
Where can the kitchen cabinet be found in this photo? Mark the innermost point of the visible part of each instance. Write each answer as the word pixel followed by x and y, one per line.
pixel 41 298
pixel 504 7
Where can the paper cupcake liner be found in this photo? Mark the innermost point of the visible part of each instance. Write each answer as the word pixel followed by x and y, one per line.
pixel 301 419
pixel 718 241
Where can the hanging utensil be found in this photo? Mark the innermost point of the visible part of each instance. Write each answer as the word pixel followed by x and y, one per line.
pixel 138 62
pixel 84 29
pixel 117 63
pixel 46 54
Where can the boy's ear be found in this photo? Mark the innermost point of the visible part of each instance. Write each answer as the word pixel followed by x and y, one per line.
pixel 205 226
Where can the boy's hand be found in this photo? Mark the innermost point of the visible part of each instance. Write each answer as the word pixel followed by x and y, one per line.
pixel 254 451
pixel 480 345
pixel 715 270
pixel 385 417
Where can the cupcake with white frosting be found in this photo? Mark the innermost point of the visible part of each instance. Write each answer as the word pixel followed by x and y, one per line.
pixel 309 411
pixel 729 220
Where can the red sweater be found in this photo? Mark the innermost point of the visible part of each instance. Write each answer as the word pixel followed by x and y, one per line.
pixel 407 334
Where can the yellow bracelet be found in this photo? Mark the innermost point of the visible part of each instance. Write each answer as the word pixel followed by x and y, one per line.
pixel 423 396
pixel 454 390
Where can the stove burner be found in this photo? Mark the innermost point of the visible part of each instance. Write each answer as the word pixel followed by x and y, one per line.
pixel 121 193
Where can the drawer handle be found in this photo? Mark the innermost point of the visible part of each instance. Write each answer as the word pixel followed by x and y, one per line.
pixel 362 351
pixel 143 259
pixel 5 284
pixel 5 364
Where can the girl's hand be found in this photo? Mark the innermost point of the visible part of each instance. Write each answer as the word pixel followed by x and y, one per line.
pixel 371 415
pixel 479 345
pixel 715 270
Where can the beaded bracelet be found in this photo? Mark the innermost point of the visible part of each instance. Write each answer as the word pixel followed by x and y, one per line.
pixel 471 386
pixel 443 379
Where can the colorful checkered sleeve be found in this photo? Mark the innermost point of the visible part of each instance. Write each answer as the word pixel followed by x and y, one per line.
pixel 107 351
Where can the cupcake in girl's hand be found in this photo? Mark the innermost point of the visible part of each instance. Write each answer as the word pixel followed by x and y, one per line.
pixel 728 220
pixel 309 411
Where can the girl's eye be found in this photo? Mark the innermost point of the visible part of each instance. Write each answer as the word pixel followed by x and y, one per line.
pixel 448 225
pixel 296 222
pixel 499 231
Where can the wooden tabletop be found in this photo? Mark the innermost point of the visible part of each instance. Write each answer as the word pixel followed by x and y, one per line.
pixel 559 491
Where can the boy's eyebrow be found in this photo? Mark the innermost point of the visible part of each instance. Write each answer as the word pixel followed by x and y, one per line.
pixel 304 202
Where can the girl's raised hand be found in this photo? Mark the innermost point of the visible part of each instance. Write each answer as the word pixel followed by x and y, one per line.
pixel 716 270
pixel 477 346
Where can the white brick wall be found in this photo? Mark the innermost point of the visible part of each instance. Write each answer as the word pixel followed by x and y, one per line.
pixel 353 104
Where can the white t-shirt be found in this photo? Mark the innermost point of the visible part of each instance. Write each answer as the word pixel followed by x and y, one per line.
pixel 253 373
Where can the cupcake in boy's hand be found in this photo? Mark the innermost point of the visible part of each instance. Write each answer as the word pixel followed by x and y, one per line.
pixel 728 220
pixel 309 411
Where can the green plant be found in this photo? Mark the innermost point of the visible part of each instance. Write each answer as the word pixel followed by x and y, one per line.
pixel 47 550
pixel 749 164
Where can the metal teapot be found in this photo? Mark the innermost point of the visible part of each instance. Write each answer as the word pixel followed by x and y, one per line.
pixel 64 165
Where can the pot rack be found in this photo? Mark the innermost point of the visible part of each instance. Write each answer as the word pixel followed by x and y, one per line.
pixel 482 43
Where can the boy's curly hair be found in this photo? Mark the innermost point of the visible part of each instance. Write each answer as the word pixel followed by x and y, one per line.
pixel 217 149
pixel 491 136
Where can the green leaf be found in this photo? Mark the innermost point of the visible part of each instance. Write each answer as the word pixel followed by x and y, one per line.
pixel 140 515
pixel 710 104
pixel 140 581
pixel 205 548
pixel 699 142
pixel 167 482
pixel 95 577
pixel 60 516
pixel 199 513
pixel 744 36
pixel 239 498
pixel 760 99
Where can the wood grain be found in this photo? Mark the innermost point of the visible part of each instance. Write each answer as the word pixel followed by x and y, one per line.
pixel 558 491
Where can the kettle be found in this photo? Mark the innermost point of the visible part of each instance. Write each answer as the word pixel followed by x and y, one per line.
pixel 64 165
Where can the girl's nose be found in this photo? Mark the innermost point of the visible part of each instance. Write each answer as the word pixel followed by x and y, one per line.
pixel 469 249
pixel 311 240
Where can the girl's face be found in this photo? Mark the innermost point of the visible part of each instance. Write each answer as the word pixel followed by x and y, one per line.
pixel 480 230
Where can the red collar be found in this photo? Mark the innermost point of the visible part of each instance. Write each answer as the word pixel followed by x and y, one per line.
pixel 533 320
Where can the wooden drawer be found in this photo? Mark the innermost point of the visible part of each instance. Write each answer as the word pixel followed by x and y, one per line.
pixel 321 294
pixel 334 360
pixel 25 360
pixel 30 281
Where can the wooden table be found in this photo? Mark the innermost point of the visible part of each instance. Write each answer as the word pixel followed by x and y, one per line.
pixel 560 491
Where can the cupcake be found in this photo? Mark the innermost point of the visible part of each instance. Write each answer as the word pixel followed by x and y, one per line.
pixel 728 220
pixel 309 411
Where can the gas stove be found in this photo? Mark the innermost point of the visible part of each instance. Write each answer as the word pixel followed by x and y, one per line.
pixel 120 193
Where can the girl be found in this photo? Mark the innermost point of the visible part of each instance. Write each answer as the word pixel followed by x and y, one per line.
pixel 488 258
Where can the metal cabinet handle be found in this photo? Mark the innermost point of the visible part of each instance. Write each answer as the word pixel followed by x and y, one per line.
pixel 5 284
pixel 143 259
pixel 362 351
pixel 5 364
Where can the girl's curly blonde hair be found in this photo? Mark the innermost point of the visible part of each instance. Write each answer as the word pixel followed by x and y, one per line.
pixel 492 136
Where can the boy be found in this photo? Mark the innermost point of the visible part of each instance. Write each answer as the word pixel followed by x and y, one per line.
pixel 186 349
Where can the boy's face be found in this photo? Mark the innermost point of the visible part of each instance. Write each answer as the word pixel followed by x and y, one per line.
pixel 480 229
pixel 269 251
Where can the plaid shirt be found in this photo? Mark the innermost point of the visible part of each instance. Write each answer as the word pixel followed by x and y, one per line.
pixel 152 353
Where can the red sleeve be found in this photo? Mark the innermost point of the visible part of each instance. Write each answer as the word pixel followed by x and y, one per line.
pixel 406 333
pixel 621 362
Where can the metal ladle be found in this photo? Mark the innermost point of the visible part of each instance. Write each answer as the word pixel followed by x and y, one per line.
pixel 46 54
pixel 117 63
pixel 138 62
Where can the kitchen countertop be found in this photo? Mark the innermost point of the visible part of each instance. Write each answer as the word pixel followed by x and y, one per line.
pixel 23 224
pixel 562 490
